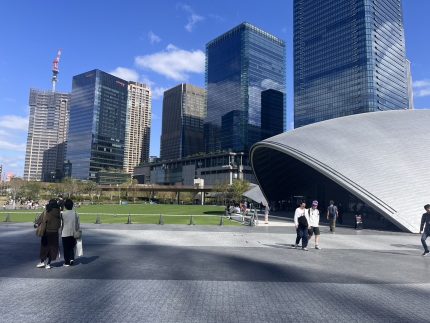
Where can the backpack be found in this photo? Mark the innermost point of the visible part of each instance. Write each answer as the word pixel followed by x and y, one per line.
pixel 332 210
pixel 303 222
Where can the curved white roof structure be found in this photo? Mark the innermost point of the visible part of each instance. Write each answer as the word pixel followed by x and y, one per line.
pixel 382 158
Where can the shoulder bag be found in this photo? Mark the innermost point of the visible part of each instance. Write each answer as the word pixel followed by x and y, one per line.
pixel 78 231
pixel 41 228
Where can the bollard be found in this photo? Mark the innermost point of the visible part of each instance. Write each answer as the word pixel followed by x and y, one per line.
pixel 98 220
pixel 191 220
pixel 221 221
pixel 161 220
pixel 252 220
pixel 129 218
pixel 7 219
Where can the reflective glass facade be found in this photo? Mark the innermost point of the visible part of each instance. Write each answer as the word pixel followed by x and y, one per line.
pixel 97 124
pixel 349 58
pixel 240 64
pixel 184 110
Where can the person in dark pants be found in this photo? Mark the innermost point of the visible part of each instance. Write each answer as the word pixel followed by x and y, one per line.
pixel 332 214
pixel 425 224
pixel 49 245
pixel 69 225
pixel 301 221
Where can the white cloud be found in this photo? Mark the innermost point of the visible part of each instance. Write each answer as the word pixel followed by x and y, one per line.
pixel 174 63
pixel 421 88
pixel 153 38
pixel 155 116
pixel 157 92
pixel 6 145
pixel 145 80
pixel 124 73
pixel 193 18
pixel 14 122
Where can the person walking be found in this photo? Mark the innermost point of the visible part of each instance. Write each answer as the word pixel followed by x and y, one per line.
pixel 332 214
pixel 49 245
pixel 301 222
pixel 69 226
pixel 314 220
pixel 425 224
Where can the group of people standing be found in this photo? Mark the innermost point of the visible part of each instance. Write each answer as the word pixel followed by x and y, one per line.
pixel 58 217
pixel 307 221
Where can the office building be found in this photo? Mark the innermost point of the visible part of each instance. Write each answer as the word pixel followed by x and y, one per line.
pixel 241 64
pixel 98 113
pixel 216 168
pixel 47 135
pixel 182 126
pixel 138 126
pixel 349 58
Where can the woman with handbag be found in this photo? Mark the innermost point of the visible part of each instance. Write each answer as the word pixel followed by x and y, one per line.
pixel 48 224
pixel 70 231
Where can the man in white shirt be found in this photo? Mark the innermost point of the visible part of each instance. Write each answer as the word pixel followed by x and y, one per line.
pixel 314 220
pixel 301 221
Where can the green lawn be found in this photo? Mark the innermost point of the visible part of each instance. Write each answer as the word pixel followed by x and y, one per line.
pixel 140 213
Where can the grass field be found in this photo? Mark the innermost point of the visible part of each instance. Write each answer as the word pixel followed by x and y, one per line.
pixel 140 213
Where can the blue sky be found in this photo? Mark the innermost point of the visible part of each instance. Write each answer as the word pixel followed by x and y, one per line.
pixel 160 43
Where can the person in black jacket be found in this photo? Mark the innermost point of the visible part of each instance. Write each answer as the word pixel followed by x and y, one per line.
pixel 425 224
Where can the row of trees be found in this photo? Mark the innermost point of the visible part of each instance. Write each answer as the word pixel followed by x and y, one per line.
pixel 19 189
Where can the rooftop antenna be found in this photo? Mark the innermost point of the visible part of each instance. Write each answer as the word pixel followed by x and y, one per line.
pixel 55 70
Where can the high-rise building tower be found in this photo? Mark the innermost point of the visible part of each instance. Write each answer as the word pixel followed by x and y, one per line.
pixel 47 135
pixel 98 112
pixel 138 126
pixel 184 110
pixel 349 57
pixel 240 65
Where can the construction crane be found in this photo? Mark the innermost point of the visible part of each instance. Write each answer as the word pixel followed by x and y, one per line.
pixel 55 70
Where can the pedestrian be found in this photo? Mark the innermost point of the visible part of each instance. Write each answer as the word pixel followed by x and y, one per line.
pixel 425 224
pixel 49 245
pixel 301 222
pixel 266 214
pixel 70 227
pixel 332 214
pixel 314 220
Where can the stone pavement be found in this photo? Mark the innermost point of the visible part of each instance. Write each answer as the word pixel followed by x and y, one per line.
pixel 150 273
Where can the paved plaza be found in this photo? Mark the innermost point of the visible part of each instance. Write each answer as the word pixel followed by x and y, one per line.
pixel 152 273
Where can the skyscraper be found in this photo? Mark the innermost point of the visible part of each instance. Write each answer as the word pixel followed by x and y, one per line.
pixel 47 135
pixel 184 110
pixel 138 125
pixel 240 64
pixel 98 112
pixel 349 57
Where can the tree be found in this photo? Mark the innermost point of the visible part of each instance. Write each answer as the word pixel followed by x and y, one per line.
pixel 222 191
pixel 238 188
pixel 31 190
pixel 90 188
pixel 16 189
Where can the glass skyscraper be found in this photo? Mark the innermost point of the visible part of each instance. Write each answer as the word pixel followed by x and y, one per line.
pixel 349 58
pixel 98 111
pixel 240 65
pixel 184 110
